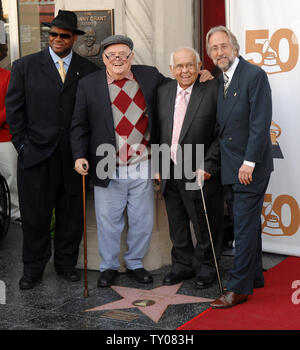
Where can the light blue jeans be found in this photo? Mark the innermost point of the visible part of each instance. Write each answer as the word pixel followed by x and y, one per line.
pixel 137 196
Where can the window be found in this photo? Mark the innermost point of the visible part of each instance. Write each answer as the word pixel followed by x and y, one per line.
pixel 32 33
pixel 4 35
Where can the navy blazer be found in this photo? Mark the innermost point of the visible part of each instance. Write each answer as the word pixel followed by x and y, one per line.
pixel 93 123
pixel 245 117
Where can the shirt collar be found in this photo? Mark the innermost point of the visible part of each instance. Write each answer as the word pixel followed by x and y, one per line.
pixel 232 69
pixel 56 58
pixel 189 89
pixel 110 79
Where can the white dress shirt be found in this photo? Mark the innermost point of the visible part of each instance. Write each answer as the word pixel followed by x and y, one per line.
pixel 56 58
pixel 187 97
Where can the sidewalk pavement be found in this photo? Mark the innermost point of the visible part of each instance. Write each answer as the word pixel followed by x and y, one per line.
pixel 56 304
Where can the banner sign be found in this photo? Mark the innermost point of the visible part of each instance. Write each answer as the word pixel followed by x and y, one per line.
pixel 269 33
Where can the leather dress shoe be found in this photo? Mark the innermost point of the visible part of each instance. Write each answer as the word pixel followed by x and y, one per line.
pixel 140 275
pixel 106 278
pixel 69 274
pixel 175 278
pixel 229 299
pixel 204 282
pixel 29 282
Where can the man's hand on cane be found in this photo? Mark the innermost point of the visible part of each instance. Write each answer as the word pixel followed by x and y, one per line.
pixel 202 176
pixel 82 166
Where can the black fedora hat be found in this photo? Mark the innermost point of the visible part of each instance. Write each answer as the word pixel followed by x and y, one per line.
pixel 65 20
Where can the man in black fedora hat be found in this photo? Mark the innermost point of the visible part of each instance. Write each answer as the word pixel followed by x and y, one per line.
pixel 39 103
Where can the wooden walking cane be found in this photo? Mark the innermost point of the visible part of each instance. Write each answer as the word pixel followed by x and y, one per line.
pixel 212 243
pixel 86 292
pixel 210 238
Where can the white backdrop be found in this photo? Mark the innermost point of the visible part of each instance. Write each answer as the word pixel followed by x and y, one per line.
pixel 268 32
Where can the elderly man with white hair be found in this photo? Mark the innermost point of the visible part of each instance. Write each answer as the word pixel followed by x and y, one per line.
pixel 187 117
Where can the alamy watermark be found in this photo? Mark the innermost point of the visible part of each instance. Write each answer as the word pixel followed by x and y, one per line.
pixel 189 159
pixel 2 293
pixel 296 294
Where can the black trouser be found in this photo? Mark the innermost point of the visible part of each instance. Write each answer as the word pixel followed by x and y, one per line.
pixel 43 187
pixel 183 208
pixel 245 204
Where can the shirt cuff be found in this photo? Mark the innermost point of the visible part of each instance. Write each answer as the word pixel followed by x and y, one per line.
pixel 252 164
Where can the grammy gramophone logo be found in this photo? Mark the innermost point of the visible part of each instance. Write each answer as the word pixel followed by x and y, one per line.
pixel 275 133
pixel 280 216
pixel 265 50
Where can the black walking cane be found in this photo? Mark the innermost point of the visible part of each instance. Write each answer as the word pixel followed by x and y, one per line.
pixel 211 239
pixel 86 292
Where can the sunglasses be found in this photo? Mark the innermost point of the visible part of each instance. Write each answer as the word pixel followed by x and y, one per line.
pixel 60 35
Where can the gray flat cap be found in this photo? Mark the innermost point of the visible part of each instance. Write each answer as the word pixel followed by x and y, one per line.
pixel 116 39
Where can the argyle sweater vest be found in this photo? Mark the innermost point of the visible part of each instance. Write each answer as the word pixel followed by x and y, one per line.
pixel 131 121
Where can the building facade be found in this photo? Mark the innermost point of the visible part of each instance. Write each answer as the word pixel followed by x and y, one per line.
pixel 157 28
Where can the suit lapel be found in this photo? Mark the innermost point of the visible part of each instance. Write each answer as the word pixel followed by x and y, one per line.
pixel 49 68
pixel 169 106
pixel 74 72
pixel 143 81
pixel 225 105
pixel 102 96
pixel 195 100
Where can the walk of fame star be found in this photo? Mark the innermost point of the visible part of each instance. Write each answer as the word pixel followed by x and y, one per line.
pixel 152 303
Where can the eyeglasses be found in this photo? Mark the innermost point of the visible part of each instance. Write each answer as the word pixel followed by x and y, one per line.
pixel 60 35
pixel 189 67
pixel 222 47
pixel 113 56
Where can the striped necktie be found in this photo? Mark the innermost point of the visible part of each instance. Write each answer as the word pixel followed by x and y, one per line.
pixel 61 70
pixel 226 84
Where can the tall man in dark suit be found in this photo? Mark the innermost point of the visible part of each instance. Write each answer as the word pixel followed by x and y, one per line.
pixel 39 104
pixel 187 116
pixel 244 116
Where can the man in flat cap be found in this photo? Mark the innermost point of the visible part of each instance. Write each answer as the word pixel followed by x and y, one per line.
pixel 114 114
pixel 39 105
pixel 115 107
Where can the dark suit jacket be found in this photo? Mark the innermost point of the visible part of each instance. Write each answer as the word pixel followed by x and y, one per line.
pixel 39 106
pixel 199 127
pixel 245 117
pixel 93 123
